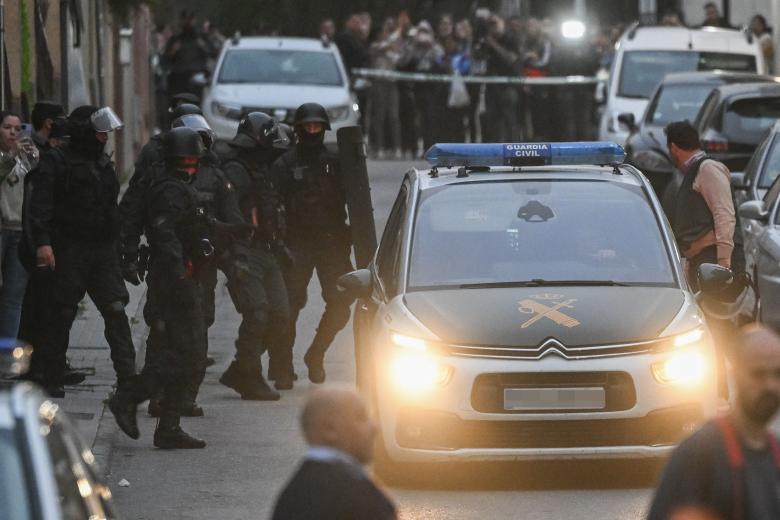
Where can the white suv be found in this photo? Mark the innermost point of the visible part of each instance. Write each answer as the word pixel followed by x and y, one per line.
pixel 644 55
pixel 276 75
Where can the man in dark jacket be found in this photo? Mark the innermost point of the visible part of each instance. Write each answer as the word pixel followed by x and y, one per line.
pixel 187 53
pixel 730 468
pixel 332 482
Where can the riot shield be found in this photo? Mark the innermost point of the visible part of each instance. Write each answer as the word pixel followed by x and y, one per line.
pixel 352 156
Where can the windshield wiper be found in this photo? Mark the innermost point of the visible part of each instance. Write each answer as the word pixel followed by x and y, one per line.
pixel 539 282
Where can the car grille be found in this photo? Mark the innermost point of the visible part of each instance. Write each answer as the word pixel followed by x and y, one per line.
pixel 551 346
pixel 420 429
pixel 487 394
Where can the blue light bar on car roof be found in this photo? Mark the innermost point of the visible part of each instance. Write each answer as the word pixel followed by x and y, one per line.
pixel 447 155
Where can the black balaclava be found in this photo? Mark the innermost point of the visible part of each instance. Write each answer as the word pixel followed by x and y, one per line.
pixel 310 141
pixel 82 133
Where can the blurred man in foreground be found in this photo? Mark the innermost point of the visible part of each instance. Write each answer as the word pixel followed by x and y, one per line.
pixel 331 482
pixel 730 468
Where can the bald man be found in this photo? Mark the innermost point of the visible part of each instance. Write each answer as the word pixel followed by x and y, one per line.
pixel 332 482
pixel 730 468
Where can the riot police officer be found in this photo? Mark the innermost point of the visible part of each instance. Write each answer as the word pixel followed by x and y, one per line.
pixel 178 242
pixel 74 222
pixel 309 180
pixel 255 280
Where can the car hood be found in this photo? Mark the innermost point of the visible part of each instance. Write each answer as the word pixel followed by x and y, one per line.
pixel 591 315
pixel 266 95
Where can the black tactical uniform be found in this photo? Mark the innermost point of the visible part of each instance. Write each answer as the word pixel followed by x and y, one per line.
pixel 308 178
pixel 177 237
pixel 255 281
pixel 73 210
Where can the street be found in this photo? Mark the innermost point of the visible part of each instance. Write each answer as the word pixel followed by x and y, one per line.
pixel 254 447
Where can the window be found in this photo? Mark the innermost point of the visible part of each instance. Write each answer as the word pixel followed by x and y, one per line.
pixel 747 120
pixel 642 70
pixel 389 254
pixel 771 168
pixel 516 231
pixel 14 498
pixel 677 103
pixel 280 67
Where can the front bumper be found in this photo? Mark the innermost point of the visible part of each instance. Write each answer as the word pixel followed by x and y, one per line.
pixel 444 423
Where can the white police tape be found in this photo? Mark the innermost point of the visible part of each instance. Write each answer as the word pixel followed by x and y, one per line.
pixel 394 75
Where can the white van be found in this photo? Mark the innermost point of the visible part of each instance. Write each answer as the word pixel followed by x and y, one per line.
pixel 644 55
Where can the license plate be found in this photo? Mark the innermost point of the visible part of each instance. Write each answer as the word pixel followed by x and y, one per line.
pixel 529 399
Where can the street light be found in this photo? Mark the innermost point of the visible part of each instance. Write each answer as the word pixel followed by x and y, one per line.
pixel 573 29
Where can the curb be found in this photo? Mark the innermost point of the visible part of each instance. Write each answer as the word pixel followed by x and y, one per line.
pixel 103 445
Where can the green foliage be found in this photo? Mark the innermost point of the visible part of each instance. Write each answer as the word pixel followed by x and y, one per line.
pixel 27 86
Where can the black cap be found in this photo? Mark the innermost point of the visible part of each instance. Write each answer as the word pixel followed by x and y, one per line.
pixel 44 110
pixel 311 113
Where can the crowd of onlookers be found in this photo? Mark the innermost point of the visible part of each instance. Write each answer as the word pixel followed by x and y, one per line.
pixel 402 115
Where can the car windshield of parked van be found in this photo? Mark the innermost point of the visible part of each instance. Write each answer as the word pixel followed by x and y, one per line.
pixel 678 102
pixel 499 232
pixel 747 120
pixel 280 67
pixel 642 70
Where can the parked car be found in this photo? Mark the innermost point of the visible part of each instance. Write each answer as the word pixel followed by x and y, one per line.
pixel 644 55
pixel 276 75
pixel 761 171
pixel 761 233
pixel 46 472
pixel 677 97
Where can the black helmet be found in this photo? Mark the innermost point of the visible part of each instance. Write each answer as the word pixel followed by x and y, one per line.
pixel 183 97
pixel 185 109
pixel 199 124
pixel 87 120
pixel 311 113
pixel 289 132
pixel 182 143
pixel 260 129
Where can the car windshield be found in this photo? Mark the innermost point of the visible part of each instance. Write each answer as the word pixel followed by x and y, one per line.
pixel 642 70
pixel 771 168
pixel 13 493
pixel 515 231
pixel 678 102
pixel 280 67
pixel 747 120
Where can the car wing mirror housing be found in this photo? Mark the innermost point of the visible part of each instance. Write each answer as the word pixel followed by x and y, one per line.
pixel 738 180
pixel 714 278
pixel 754 210
pixel 356 284
pixel 628 119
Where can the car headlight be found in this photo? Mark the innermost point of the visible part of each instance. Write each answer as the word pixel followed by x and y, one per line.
pixel 414 368
pixel 686 363
pixel 340 113
pixel 652 161
pixel 227 110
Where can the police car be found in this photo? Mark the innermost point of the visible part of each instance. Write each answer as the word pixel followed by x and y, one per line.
pixel 527 301
pixel 46 473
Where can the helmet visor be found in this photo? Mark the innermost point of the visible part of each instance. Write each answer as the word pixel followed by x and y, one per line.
pixel 278 137
pixel 199 124
pixel 105 120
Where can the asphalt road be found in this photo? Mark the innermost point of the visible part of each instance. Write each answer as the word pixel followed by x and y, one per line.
pixel 254 447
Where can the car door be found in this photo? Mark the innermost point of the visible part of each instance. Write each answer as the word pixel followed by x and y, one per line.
pixel 386 283
pixel 764 244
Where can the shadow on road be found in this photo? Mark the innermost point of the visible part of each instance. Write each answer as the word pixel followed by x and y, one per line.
pixel 524 475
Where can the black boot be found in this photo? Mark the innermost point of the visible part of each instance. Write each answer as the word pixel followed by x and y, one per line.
pixel 169 436
pixel 192 409
pixel 123 403
pixel 251 385
pixel 315 360
pixel 72 376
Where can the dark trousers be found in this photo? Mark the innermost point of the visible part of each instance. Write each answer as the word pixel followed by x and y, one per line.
pixel 82 268
pixel 500 124
pixel 330 259
pixel 178 339
pixel 257 288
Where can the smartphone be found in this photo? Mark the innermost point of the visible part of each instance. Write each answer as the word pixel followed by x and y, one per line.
pixel 27 130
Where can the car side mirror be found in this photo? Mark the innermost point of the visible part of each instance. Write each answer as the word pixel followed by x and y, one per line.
pixel 754 210
pixel 713 278
pixel 356 284
pixel 627 118
pixel 738 180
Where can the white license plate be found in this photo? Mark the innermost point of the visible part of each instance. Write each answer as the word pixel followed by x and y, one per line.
pixel 528 399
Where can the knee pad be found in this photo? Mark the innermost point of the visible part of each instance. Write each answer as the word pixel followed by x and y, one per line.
pixel 113 309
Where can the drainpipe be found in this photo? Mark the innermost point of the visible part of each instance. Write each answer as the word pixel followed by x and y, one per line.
pixel 2 54
pixel 99 50
pixel 64 75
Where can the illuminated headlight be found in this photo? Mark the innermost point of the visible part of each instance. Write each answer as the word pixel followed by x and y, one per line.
pixel 573 29
pixel 227 110
pixel 339 113
pixel 686 364
pixel 413 368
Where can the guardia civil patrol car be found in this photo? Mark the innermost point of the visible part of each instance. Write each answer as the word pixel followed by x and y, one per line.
pixel 527 301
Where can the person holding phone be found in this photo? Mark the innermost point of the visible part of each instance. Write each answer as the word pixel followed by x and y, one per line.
pixel 18 155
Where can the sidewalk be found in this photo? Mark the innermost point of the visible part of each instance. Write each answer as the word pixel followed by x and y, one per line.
pixel 88 351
